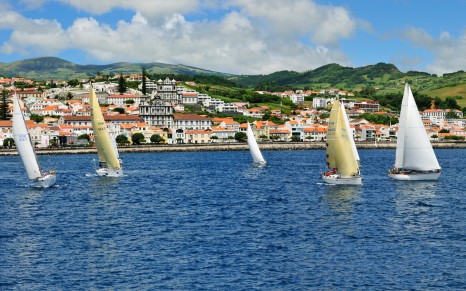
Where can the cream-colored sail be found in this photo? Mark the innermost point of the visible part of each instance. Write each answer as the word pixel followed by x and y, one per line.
pixel 340 148
pixel 105 149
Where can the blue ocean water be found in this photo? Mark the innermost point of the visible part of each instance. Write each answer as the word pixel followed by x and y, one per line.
pixel 210 220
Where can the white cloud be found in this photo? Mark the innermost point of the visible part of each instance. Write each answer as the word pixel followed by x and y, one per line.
pixel 32 35
pixel 150 9
pixel 447 52
pixel 323 24
pixel 254 37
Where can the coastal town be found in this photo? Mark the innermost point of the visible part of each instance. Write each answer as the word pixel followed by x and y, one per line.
pixel 61 116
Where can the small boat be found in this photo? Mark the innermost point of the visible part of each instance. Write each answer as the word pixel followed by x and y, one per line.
pixel 342 155
pixel 26 150
pixel 109 162
pixel 256 154
pixel 415 157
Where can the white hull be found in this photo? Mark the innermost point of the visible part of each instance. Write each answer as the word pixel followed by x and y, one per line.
pixel 106 172
pixel 260 164
pixel 46 181
pixel 415 176
pixel 338 180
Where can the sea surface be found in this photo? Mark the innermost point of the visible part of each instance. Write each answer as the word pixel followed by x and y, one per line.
pixel 212 221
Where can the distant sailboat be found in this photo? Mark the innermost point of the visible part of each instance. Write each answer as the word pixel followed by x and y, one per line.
pixel 415 157
pixel 342 155
pixel 254 148
pixel 109 163
pixel 26 150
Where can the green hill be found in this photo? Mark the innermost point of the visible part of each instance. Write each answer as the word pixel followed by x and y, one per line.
pixel 384 78
pixel 58 69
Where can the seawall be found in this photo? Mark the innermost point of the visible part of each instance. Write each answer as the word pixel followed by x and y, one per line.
pixel 222 147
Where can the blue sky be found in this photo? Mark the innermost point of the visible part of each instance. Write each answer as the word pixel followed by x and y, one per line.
pixel 239 36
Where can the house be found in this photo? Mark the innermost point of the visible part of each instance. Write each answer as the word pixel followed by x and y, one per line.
pixel 120 100
pixel 198 136
pixel 223 134
pixel 191 122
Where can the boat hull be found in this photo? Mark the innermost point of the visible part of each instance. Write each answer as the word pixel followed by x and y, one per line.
pixel 338 180
pixel 46 181
pixel 106 172
pixel 415 176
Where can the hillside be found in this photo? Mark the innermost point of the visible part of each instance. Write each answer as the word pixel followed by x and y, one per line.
pixel 385 78
pixel 58 69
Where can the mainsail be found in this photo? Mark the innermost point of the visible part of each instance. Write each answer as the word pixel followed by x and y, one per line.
pixel 23 142
pixel 413 150
pixel 107 153
pixel 341 150
pixel 253 147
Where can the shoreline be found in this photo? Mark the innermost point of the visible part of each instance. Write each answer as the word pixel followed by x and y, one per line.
pixel 221 147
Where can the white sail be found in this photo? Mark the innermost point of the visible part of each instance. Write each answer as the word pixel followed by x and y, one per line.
pixel 23 142
pixel 115 147
pixel 254 148
pixel 414 150
pixel 350 134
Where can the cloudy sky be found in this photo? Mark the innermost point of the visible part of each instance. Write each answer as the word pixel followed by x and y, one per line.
pixel 239 36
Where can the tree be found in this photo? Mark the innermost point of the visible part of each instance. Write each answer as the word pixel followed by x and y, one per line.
pixel 36 117
pixel 8 142
pixel 85 136
pixel 121 139
pixel 119 109
pixel 138 138
pixel 295 138
pixel 73 82
pixel 121 84
pixel 129 101
pixel 241 136
pixel 4 106
pixel 155 138
pixel 451 115
pixel 144 90
pixel 444 130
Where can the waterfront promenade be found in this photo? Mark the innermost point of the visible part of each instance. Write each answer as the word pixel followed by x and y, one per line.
pixel 219 147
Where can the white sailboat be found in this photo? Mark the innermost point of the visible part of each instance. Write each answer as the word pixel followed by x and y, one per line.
pixel 415 157
pixel 109 163
pixel 342 155
pixel 26 150
pixel 254 148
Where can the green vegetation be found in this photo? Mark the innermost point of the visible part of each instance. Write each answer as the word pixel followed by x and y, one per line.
pixel 155 138
pixel 4 115
pixel 121 84
pixel 119 110
pixel 37 118
pixel 241 136
pixel 85 136
pixel 379 118
pixel 138 138
pixel 122 139
pixel 8 142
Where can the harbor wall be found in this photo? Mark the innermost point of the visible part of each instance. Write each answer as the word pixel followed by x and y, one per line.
pixel 221 147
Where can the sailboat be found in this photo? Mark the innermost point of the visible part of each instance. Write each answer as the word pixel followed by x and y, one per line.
pixel 342 155
pixel 254 148
pixel 415 157
pixel 26 150
pixel 109 163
